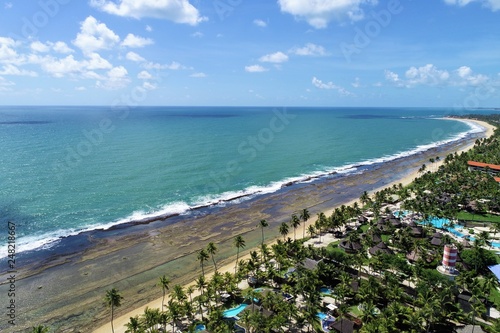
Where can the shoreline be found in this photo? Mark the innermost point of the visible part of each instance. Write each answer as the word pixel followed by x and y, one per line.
pixel 233 198
pixel 406 180
pixel 67 291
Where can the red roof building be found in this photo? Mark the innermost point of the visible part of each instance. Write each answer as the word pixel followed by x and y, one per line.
pixel 492 169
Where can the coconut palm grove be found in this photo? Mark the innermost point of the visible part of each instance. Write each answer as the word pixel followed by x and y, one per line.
pixel 372 266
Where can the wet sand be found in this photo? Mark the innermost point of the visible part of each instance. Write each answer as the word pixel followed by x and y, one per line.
pixel 63 287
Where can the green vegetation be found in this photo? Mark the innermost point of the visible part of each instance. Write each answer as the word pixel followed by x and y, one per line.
pixel 484 217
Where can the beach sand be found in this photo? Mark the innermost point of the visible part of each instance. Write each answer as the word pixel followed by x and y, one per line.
pixel 65 290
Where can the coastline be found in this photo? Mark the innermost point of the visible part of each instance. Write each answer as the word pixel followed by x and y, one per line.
pixel 132 261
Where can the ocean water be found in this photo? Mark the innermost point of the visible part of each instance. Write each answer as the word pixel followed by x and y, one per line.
pixel 65 170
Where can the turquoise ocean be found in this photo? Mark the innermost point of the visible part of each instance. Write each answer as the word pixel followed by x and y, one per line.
pixel 67 170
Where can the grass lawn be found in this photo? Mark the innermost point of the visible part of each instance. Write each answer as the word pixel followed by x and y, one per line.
pixel 478 217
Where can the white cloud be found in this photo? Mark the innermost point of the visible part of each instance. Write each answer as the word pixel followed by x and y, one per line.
pixel 10 69
pixel 198 75
pixel 97 62
pixel 276 58
pixel 197 34
pixel 356 83
pixel 38 46
pixel 4 84
pixel 149 28
pixel 494 5
pixel 59 47
pixel 174 65
pixel 179 11
pixel 144 75
pixel 8 5
pixel 430 75
pixel 80 88
pixel 69 66
pixel 135 41
pixel 132 56
pixel 466 77
pixel 95 36
pixel 7 52
pixel 255 69
pixel 116 78
pixel 62 47
pixel 260 23
pixel 330 86
pixel 319 13
pixel 149 86
pixel 309 49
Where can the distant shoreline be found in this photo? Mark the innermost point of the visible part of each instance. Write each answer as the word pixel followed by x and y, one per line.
pixel 132 259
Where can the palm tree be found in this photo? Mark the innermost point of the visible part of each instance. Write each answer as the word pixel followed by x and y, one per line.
pixel 239 243
pixel 190 291
pixel 40 329
pixel 164 284
pixel 295 222
pixel 311 230
pixel 263 224
pixel 284 229
pixel 134 325
pixel 202 257
pixel 113 299
pixel 212 249
pixel 304 216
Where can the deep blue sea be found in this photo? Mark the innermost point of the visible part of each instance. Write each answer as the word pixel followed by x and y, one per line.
pixel 64 170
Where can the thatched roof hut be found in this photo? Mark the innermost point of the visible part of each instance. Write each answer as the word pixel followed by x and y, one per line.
pixel 380 248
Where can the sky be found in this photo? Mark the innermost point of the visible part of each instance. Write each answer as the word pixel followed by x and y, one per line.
pixel 438 53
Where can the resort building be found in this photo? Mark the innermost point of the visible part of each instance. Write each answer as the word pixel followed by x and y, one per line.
pixel 492 169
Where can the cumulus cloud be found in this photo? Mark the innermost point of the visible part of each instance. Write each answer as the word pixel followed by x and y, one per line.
pixel 330 86
pixel 62 47
pixel 179 11
pixel 430 75
pixel 132 56
pixel 255 69
pixel 8 54
pixel 95 36
pixel 115 78
pixel 260 23
pixel 319 13
pixel 494 5
pixel 309 49
pixel 59 47
pixel 144 75
pixel 276 58
pixel 174 65
pixel 134 41
pixel 10 69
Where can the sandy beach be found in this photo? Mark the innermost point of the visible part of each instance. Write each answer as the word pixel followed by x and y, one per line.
pixel 66 290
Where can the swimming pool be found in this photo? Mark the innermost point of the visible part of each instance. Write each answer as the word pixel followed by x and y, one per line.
pixel 325 290
pixel 200 327
pixel 234 311
pixel 444 223
pixel 321 315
